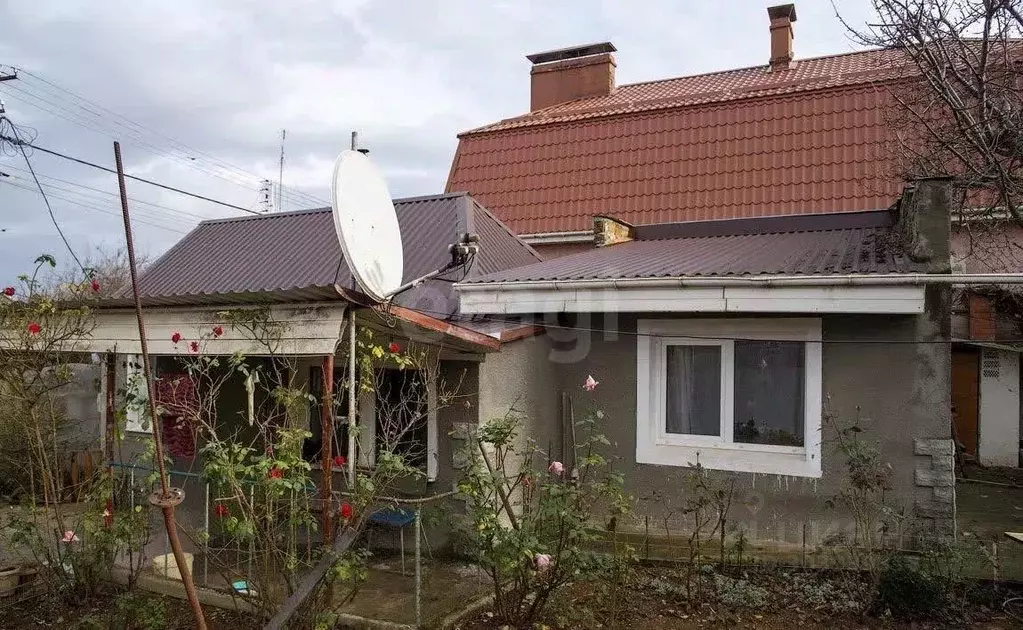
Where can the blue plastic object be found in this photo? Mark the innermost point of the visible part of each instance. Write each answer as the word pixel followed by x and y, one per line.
pixel 395 517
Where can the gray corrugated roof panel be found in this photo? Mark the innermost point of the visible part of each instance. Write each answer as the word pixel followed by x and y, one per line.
pixel 868 247
pixel 503 250
pixel 295 255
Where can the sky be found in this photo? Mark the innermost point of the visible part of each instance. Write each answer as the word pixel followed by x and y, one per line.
pixel 197 93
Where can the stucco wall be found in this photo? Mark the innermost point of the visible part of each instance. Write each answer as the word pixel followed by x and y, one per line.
pixel 874 377
pixel 999 408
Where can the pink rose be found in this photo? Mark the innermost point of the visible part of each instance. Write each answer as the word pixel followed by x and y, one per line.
pixel 543 561
pixel 590 384
pixel 70 537
pixel 556 468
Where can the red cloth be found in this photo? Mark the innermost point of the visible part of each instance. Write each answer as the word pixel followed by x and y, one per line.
pixel 176 396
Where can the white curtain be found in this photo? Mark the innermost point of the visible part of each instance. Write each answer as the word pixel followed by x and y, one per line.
pixel 694 390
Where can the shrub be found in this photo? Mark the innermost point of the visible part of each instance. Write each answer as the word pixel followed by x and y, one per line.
pixel 739 593
pixel 532 515
pixel 139 611
pixel 907 592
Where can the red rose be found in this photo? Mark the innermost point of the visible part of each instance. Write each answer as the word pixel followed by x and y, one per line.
pixel 340 461
pixel 395 348
pixel 223 510
pixel 95 286
pixel 176 337
pixel 9 291
pixel 218 331
pixel 276 473
pixel 35 328
pixel 347 511
pixel 194 346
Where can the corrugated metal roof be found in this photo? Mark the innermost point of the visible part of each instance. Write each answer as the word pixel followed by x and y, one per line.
pixel 295 255
pixel 854 244
pixel 733 144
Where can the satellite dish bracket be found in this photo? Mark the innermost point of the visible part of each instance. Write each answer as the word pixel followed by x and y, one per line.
pixel 463 252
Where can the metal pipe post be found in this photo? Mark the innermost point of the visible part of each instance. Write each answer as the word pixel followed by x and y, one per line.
pixel 419 576
pixel 206 528
pixel 352 409
pixel 167 499
pixel 327 452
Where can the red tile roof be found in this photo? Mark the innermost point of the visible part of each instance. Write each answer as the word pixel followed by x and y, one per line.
pixel 740 143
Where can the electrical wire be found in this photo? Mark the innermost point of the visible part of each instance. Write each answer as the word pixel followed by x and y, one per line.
pixel 85 201
pixel 21 145
pixel 229 172
pixel 184 213
pixel 64 156
pixel 85 206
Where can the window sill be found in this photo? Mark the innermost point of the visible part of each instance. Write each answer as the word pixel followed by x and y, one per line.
pixel 748 458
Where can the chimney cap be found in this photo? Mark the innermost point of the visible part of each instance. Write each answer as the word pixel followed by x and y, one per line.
pixel 572 52
pixel 782 11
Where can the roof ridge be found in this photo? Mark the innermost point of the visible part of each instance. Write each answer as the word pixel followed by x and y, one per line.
pixel 555 114
pixel 777 224
pixel 796 63
pixel 501 224
pixel 290 213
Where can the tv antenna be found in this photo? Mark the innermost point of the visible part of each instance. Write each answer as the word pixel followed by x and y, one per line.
pixel 280 174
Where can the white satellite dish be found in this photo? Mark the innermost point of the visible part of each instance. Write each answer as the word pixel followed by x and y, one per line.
pixel 366 225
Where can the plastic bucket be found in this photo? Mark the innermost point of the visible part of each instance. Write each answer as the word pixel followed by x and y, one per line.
pixel 167 565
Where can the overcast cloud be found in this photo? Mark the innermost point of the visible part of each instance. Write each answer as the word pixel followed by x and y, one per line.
pixel 210 86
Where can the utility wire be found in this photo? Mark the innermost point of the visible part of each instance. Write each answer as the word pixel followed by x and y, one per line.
pixel 139 132
pixel 190 215
pixel 22 144
pixel 85 206
pixel 70 196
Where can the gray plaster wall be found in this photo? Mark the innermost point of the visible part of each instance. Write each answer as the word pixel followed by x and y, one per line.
pixel 882 374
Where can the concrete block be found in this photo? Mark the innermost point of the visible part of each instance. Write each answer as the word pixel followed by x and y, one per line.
pixel 933 510
pixel 928 478
pixel 942 464
pixel 933 446
pixel 945 495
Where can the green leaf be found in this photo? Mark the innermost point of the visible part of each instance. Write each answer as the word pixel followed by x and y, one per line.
pixel 46 259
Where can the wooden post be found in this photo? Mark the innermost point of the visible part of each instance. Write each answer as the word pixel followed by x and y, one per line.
pixel 110 427
pixel 327 454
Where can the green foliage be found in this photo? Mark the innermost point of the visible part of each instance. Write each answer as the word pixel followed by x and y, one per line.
pixel 78 551
pixel 531 517
pixel 139 611
pixel 906 591
pixel 739 592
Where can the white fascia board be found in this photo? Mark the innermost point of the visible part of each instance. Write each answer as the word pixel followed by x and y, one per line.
pixel 894 299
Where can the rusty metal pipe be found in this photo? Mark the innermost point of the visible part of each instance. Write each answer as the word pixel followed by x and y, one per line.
pixel 168 497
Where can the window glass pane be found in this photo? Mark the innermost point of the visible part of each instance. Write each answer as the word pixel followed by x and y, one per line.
pixel 694 390
pixel 769 389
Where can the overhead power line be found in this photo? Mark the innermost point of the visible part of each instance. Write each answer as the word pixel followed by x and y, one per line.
pixel 22 144
pixel 95 117
pixel 184 213
pixel 85 206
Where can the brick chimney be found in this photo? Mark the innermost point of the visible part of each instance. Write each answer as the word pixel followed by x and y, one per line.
pixel 782 17
pixel 559 76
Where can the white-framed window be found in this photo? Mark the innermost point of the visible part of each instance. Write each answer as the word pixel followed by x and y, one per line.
pixel 730 394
